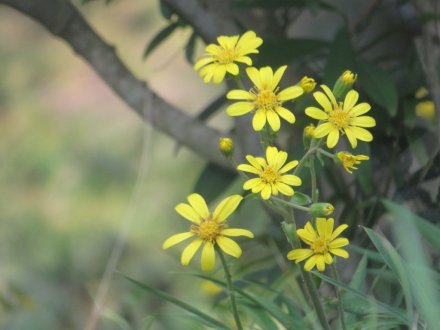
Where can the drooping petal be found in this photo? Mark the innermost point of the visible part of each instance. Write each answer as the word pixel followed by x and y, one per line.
pixel 360 109
pixel 323 130
pixel 229 246
pixel 188 213
pixel 277 76
pixel 175 239
pixel 340 253
pixel 333 137
pixel 338 242
pixel 199 205
pixel 363 121
pixel 237 232
pixel 350 100
pixel 320 264
pixel 273 120
pixel 232 68
pixel 266 192
pixel 323 101
pixel 219 74
pixel 285 114
pixel 362 134
pixel 291 179
pixel 254 76
pixel 238 94
pixel 310 263
pixel 290 93
pixel 299 254
pixel 328 258
pixel 338 231
pixel 350 136
pixel 247 168
pixel 226 207
pixel 259 120
pixel 288 166
pixel 208 257
pixel 189 251
pixel 239 108
pixel 316 113
pixel 251 183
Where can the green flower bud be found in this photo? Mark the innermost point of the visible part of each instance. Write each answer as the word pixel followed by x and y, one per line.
pixel 321 209
pixel 344 84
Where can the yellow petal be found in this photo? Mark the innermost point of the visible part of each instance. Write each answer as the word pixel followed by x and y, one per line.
pixel 338 231
pixel 226 207
pixel 247 168
pixel 273 120
pixel 238 94
pixel 281 159
pixel 258 187
pixel 208 257
pixel 328 258
pixel 330 95
pixel 229 246
pixel 199 205
pixel 350 100
pixel 361 134
pixel 288 166
pixel 227 42
pixel 320 264
pixel 323 101
pixel 299 254
pixel 363 121
pixel 219 74
pixel 321 226
pixel 291 179
pixel 284 189
pixel 254 76
pixel 237 232
pixel 290 93
pixel 271 155
pixel 256 162
pixel 259 120
pixel 338 242
pixel 203 62
pixel 340 253
pixel 277 76
pixel 360 109
pixel 285 114
pixel 350 136
pixel 244 59
pixel 239 108
pixel 175 239
pixel 316 113
pixel 188 212
pixel 232 68
pixel 251 183
pixel 189 251
pixel 333 137
pixel 308 266
pixel 266 77
pixel 329 228
pixel 266 192
pixel 306 236
pixel 323 130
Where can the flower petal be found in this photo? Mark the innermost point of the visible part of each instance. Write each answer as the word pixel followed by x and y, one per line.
pixel 238 94
pixel 259 120
pixel 281 159
pixel 338 242
pixel 199 205
pixel 333 137
pixel 316 113
pixel 256 162
pixel 291 179
pixel 251 183
pixel 175 239
pixel 288 166
pixel 203 62
pixel 239 108
pixel 286 114
pixel 323 101
pixel 273 120
pixel 277 76
pixel 321 226
pixel 226 207
pixel 232 68
pixel 340 253
pixel 360 109
pixel 330 95
pixel 254 76
pixel 266 192
pixel 247 168
pixel 338 231
pixel 320 264
pixel 323 130
pixel 189 251
pixel 188 212
pixel 237 232
pixel 219 74
pixel 363 121
pixel 350 136
pixel 266 77
pixel 328 259
pixel 299 254
pixel 284 189
pixel 329 228
pixel 229 246
pixel 350 100
pixel 306 236
pixel 208 257
pixel 361 134
pixel 290 93
pixel 244 59
pixel 308 266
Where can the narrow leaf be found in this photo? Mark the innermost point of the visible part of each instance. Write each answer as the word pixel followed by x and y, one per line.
pixel 189 48
pixel 160 37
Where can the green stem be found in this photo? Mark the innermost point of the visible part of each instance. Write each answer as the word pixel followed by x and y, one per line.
pixel 313 180
pixel 326 153
pixel 338 296
pixel 230 289
pixel 289 204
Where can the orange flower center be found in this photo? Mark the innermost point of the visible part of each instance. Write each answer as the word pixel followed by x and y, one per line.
pixel 320 246
pixel 226 56
pixel 269 175
pixel 208 230
pixel 339 118
pixel 266 100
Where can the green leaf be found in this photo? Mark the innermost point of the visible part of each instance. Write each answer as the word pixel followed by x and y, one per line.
pixel 160 37
pixel 378 85
pixel 395 263
pixel 213 181
pixel 379 305
pixel 166 11
pixel 300 199
pixel 260 317
pixel 163 295
pixel 341 57
pixel 189 48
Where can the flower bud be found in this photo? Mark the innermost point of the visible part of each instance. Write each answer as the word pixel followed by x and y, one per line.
pixel 321 209
pixel 344 84
pixel 226 146
pixel 349 161
pixel 425 110
pixel 348 78
pixel 309 130
pixel 307 84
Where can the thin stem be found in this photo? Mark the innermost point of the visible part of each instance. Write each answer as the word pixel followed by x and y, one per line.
pixel 338 296
pixel 230 289
pixel 326 153
pixel 289 204
pixel 313 180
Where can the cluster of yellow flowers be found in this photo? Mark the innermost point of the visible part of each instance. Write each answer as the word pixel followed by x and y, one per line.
pixel 274 174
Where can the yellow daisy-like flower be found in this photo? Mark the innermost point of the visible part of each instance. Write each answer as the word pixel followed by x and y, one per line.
pixel 345 117
pixel 208 229
pixel 271 174
pixel 265 98
pixel 322 242
pixel 221 58
pixel 349 161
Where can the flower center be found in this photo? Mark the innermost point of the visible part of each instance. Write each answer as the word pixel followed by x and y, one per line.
pixel 208 230
pixel 226 56
pixel 320 246
pixel 339 118
pixel 349 160
pixel 266 100
pixel 269 175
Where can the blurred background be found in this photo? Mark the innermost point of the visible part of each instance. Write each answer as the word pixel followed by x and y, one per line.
pixel 78 167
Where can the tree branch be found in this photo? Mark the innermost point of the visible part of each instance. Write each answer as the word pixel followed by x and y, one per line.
pixel 62 19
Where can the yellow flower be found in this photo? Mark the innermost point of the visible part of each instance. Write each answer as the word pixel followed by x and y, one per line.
pixel 264 98
pixel 208 229
pixel 226 146
pixel 425 110
pixel 349 161
pixel 322 244
pixel 342 117
pixel 309 130
pixel 221 58
pixel 307 84
pixel 348 77
pixel 271 178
